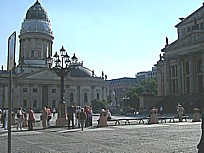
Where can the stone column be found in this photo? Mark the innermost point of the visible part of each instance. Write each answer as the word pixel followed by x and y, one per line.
pixel 179 73
pixel 191 74
pixel 167 78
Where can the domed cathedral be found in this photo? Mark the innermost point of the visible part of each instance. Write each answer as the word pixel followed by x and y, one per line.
pixel 34 83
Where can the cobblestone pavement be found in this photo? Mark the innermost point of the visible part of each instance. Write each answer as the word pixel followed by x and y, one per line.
pixel 137 138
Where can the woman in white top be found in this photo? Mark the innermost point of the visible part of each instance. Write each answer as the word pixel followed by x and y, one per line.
pixel 20 118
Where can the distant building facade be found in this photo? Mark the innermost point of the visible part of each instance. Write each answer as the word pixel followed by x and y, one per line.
pixel 146 74
pixel 34 84
pixel 120 87
pixel 180 70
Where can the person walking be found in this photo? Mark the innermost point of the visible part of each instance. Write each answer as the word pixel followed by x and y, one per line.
pixel 3 115
pixel 78 109
pixel 44 117
pixel 200 146
pixel 82 118
pixel 49 116
pixel 31 119
pixel 70 116
pixel 20 118
pixel 180 111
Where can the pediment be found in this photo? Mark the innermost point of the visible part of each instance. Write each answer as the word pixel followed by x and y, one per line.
pixel 43 74
pixel 194 17
pixel 189 40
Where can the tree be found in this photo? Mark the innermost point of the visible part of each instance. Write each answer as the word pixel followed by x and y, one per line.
pixel 97 105
pixel 144 87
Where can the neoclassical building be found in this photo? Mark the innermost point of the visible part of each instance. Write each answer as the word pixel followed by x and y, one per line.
pixel 180 70
pixel 34 84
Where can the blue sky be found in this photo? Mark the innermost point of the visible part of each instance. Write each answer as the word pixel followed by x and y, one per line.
pixel 118 37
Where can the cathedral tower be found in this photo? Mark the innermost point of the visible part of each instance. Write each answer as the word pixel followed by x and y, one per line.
pixel 36 39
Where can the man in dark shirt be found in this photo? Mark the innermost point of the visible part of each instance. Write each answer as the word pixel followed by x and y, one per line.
pixel 70 116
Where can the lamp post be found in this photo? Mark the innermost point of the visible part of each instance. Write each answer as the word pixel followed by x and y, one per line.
pixel 62 69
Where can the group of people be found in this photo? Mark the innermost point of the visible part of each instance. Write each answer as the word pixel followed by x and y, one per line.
pixel 19 116
pixel 79 117
pixel 45 117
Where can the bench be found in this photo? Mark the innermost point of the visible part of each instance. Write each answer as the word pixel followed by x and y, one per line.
pixel 183 118
pixel 126 120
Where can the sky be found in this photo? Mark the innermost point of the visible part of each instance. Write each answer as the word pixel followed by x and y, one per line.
pixel 118 37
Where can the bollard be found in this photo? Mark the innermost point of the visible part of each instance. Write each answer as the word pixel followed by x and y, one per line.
pixel 196 115
pixel 102 119
pixel 153 116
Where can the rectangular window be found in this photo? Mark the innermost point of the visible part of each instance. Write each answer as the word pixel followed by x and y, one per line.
pixel 32 53
pixel 187 68
pixel 25 89
pixel 53 103
pixel 25 103
pixel 199 66
pixel 201 26
pixel 35 90
pixel 35 103
pixel 53 90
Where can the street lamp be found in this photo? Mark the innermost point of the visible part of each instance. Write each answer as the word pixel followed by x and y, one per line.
pixel 62 69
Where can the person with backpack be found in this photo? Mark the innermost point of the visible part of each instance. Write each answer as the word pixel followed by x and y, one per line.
pixel 82 118
pixel 20 116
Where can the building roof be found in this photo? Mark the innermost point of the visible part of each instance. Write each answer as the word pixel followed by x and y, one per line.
pixel 36 11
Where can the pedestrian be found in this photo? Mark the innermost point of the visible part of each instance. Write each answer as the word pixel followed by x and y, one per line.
pixel 90 115
pixel 3 118
pixel 54 111
pixel 108 114
pixel 20 118
pixel 86 110
pixel 82 118
pixel 161 110
pixel 31 119
pixel 44 117
pixel 6 119
pixel 78 109
pixel 70 116
pixel 180 111
pixel 49 116
pixel 200 146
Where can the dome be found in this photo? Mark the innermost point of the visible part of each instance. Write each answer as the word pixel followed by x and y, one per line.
pixel 80 71
pixel 37 12
pixel 36 20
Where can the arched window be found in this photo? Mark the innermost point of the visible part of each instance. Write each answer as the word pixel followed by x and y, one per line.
pixel 85 98
pixel 98 96
pixel 71 97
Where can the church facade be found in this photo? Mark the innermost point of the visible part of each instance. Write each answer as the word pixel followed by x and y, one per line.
pixel 180 70
pixel 34 84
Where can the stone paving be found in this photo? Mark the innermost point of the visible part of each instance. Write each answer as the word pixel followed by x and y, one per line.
pixel 181 137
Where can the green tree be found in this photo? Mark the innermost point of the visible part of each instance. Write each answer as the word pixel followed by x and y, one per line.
pixel 144 87
pixel 97 105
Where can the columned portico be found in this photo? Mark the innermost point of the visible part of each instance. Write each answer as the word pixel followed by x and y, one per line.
pixel 191 74
pixel 167 77
pixel 180 73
